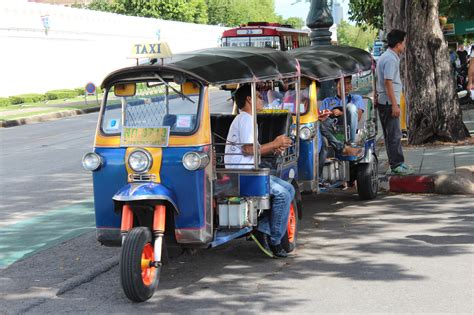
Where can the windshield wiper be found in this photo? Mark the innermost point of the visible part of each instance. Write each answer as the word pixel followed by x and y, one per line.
pixel 175 90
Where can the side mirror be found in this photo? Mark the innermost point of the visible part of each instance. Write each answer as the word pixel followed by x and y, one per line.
pixel 189 88
pixel 125 89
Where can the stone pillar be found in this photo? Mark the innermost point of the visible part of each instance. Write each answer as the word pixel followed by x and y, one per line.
pixel 319 20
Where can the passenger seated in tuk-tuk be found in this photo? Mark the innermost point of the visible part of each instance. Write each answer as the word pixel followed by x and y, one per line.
pixel 271 228
pixel 355 107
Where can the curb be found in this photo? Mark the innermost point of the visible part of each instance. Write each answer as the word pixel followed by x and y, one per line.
pixel 449 184
pixel 47 117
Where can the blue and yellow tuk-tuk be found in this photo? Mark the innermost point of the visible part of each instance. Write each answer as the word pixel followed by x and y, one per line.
pixel 323 64
pixel 157 160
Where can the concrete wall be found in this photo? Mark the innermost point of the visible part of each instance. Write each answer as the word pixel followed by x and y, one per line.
pixel 81 45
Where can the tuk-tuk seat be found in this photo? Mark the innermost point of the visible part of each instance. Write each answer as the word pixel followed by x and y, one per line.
pixel 270 126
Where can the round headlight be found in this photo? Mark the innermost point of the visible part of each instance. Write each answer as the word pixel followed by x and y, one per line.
pixel 140 161
pixel 91 161
pixel 195 160
pixel 305 133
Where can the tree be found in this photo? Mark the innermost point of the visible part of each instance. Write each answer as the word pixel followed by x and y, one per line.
pixel 194 11
pixel 295 22
pixel 236 12
pixel 355 36
pixel 434 112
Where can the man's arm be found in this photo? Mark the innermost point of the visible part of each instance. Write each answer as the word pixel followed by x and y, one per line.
pixel 278 145
pixel 391 96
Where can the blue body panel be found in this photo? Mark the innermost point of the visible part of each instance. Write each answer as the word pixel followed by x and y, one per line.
pixel 285 172
pixel 306 160
pixel 188 187
pixel 254 185
pixel 107 180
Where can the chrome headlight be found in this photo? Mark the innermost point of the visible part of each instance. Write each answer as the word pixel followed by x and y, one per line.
pixel 91 161
pixel 305 133
pixel 140 161
pixel 193 161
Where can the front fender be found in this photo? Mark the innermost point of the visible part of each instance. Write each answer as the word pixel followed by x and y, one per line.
pixel 145 191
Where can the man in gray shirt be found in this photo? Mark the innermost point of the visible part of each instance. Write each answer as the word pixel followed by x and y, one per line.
pixel 389 89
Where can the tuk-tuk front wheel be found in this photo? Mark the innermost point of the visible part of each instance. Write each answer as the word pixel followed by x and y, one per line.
pixel 289 239
pixel 138 276
pixel 368 180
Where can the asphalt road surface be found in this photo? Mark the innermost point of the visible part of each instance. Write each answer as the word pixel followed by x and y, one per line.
pixel 46 195
pixel 396 254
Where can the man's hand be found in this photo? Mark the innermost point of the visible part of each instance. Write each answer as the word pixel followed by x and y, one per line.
pixel 323 115
pixel 336 112
pixel 395 111
pixel 281 142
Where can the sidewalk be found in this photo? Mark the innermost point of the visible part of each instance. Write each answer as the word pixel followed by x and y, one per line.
pixel 443 169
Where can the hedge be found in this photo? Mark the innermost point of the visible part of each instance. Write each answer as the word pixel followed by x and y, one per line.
pixel 60 94
pixel 4 101
pixel 26 98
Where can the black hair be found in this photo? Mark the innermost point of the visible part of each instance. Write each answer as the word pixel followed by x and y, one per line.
pixel 240 96
pixel 394 37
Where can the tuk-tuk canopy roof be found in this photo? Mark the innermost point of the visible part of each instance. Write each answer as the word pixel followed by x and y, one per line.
pixel 217 66
pixel 324 63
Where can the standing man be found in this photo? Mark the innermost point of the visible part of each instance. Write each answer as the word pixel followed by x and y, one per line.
pixel 389 89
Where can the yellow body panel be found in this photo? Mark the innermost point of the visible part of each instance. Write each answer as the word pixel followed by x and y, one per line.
pixel 312 115
pixel 403 113
pixel 156 153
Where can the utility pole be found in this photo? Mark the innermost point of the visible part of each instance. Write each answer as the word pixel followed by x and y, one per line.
pixel 319 20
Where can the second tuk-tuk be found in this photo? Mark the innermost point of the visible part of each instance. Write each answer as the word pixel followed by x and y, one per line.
pixel 327 64
pixel 157 159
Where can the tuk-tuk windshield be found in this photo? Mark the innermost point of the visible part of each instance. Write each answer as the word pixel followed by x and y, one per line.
pixel 154 105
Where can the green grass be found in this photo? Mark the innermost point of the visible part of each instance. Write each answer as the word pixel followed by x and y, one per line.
pixel 21 115
pixel 90 100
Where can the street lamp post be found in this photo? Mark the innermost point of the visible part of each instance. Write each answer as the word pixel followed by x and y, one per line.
pixel 319 20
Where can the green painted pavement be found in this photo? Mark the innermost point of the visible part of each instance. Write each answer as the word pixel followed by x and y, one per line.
pixel 26 237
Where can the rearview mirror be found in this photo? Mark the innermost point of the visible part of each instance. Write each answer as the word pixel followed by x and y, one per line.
pixel 125 89
pixel 190 88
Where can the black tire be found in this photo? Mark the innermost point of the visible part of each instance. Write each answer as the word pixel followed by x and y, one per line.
pixel 368 179
pixel 288 244
pixel 133 282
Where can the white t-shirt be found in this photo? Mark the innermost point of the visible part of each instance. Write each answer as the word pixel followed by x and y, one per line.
pixel 240 131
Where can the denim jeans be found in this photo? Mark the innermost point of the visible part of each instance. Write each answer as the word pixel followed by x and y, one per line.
pixel 276 223
pixel 352 120
pixel 392 135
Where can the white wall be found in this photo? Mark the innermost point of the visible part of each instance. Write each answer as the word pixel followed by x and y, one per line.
pixel 81 45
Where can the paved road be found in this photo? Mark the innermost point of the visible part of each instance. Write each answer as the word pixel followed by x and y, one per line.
pixel 396 254
pixel 46 195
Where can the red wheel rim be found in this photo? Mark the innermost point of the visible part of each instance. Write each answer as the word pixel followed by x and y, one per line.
pixel 148 273
pixel 291 224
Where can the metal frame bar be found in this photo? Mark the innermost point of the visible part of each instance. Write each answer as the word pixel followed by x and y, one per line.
pixel 344 106
pixel 256 151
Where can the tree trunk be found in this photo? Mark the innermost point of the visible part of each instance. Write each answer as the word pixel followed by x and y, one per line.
pixel 433 106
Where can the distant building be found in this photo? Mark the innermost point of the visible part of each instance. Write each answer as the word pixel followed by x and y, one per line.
pixel 337 12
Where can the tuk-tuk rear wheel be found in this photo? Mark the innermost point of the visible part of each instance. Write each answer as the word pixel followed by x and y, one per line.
pixel 139 279
pixel 289 239
pixel 367 179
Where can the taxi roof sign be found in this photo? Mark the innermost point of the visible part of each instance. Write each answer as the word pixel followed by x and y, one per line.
pixel 151 50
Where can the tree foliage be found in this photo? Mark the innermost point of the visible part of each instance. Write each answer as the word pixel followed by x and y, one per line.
pixel 355 36
pixel 370 12
pixel 236 12
pixel 295 22
pixel 194 11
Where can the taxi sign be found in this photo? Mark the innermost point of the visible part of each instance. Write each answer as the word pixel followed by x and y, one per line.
pixel 151 50
pixel 149 137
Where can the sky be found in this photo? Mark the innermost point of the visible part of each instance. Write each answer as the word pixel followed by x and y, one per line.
pixel 301 9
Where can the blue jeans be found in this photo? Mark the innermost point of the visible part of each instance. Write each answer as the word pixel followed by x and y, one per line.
pixel 276 223
pixel 352 120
